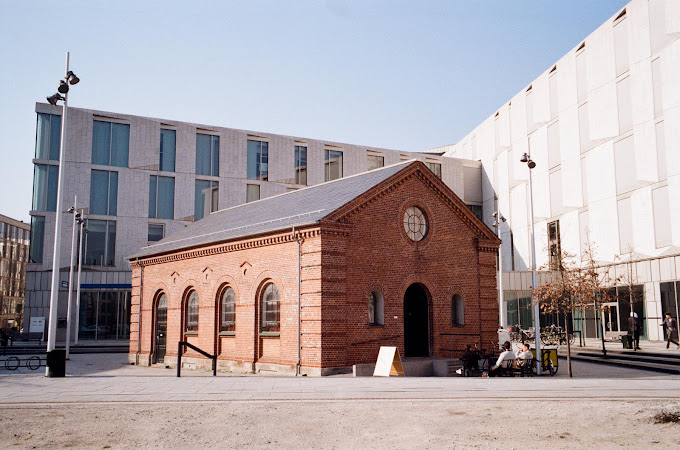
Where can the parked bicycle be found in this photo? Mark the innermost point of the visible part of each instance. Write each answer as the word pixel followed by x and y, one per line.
pixel 555 335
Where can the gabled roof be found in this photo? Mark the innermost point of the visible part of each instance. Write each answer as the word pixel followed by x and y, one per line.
pixel 293 209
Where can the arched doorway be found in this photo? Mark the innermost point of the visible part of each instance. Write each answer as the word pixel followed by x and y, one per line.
pixel 416 323
pixel 161 328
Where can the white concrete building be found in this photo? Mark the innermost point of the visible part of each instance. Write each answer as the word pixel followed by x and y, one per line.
pixel 603 126
pixel 141 178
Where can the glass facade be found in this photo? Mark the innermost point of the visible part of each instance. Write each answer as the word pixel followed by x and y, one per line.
pixel 205 198
pixel 168 147
pixel 104 315
pixel 45 180
pixel 104 192
pixel 161 197
pixel 100 245
pixel 37 239
pixel 110 143
pixel 300 165
pixel 48 135
pixel 333 165
pixel 207 155
pixel 436 168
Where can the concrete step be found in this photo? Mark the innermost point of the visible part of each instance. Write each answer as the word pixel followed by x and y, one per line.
pixel 616 360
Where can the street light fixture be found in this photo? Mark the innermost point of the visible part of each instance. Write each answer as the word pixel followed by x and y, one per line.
pixel 59 367
pixel 537 319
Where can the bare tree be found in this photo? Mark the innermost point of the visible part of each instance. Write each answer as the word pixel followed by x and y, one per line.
pixel 629 280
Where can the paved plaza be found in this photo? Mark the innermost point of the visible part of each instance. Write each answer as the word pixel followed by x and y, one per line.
pixel 105 402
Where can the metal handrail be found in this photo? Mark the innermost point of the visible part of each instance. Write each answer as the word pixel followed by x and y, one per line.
pixel 181 345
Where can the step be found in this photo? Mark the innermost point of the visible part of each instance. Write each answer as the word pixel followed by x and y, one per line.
pixel 614 361
pixel 649 358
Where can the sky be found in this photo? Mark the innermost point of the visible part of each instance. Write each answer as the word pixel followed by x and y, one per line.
pixel 404 75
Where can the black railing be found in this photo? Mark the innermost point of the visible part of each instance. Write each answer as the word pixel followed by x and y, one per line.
pixel 472 342
pixel 180 347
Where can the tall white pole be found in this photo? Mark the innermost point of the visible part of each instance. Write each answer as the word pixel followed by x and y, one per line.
pixel 80 266
pixel 537 318
pixel 70 276
pixel 54 290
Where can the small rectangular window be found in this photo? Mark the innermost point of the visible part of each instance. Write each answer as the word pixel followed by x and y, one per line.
pixel 252 192
pixel 375 162
pixel 37 238
pixel 205 198
pixel 168 150
pixel 258 160
pixel 156 232
pixel 161 197
pixel 103 192
pixel 300 165
pixel 110 143
pixel 101 243
pixel 436 168
pixel 48 135
pixel 333 164
pixel 554 245
pixel 207 155
pixel 661 151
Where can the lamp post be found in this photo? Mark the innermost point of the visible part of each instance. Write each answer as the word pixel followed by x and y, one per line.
pixel 498 219
pixel 537 319
pixel 76 218
pixel 59 366
pixel 83 229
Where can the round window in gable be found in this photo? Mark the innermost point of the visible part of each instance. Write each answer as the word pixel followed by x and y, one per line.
pixel 415 223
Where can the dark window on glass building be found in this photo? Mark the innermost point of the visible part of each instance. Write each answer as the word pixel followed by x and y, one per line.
pixel 104 192
pixel 161 197
pixel 48 134
pixel 206 198
pixel 101 243
pixel 156 232
pixel 37 239
pixel 110 143
pixel 258 160
pixel 300 165
pixel 45 180
pixel 167 154
pixel 333 165
pixel 207 155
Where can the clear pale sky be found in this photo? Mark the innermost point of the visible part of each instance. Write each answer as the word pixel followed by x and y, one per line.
pixel 405 75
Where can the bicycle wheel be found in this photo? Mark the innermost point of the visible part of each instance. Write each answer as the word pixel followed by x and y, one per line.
pixel 12 363
pixel 572 338
pixel 546 339
pixel 33 362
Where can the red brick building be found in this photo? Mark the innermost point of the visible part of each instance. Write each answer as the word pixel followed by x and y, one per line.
pixel 321 277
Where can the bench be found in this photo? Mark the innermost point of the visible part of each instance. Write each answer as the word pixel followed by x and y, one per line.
pixel 25 337
pixel 614 336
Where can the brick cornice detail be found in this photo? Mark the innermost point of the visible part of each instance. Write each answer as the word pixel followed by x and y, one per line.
pixel 263 241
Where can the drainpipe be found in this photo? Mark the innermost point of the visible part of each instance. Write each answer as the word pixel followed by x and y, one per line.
pixel 139 317
pixel 299 309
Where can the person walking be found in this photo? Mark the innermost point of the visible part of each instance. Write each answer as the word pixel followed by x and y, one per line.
pixel 670 326
pixel 634 329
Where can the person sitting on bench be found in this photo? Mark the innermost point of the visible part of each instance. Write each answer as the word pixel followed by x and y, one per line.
pixel 507 355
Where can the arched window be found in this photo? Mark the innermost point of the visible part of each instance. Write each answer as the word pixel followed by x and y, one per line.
pixel 375 308
pixel 228 310
pixel 271 317
pixel 191 311
pixel 457 310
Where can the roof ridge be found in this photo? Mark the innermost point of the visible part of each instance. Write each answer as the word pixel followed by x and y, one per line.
pixel 326 183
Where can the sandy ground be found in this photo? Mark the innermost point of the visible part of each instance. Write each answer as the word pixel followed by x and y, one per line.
pixel 343 424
